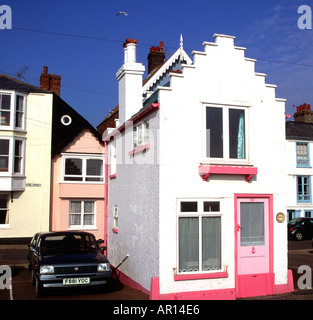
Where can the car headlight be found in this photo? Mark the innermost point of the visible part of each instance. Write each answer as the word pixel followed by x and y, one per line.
pixel 46 269
pixel 103 267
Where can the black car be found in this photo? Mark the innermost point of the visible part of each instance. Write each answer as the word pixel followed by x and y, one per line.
pixel 67 259
pixel 300 228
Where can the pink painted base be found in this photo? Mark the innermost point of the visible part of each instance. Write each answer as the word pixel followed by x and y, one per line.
pixel 263 284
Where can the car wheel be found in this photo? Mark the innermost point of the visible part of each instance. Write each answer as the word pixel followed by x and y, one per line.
pixel 39 288
pixel 299 236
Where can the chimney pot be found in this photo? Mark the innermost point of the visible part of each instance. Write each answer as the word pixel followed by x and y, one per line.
pixel 50 82
pixel 156 57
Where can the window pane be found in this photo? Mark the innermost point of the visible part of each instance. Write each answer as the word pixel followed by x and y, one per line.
pixel 252 222
pixel 140 132
pixel 73 166
pixel 237 134
pixel 302 155
pixel 4 147
pixel 188 244
pixel 5 102
pixel 211 243
pixel 75 219
pixel 19 103
pixel 4 155
pixel 146 133
pixel 5 118
pixel 189 206
pixel 88 219
pixel 88 206
pixel 4 209
pixel 94 167
pixel 75 207
pixel 18 156
pixel 214 132
pixel 209 206
pixel 135 137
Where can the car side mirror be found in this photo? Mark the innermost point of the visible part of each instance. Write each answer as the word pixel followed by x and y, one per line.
pixel 103 248
pixel 31 247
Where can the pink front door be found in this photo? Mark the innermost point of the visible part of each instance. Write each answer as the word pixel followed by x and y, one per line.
pixel 253 246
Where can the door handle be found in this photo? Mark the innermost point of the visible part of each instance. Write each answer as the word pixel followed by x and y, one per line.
pixel 239 227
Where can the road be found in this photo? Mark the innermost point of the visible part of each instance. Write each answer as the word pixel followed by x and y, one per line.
pixel 23 290
pixel 299 253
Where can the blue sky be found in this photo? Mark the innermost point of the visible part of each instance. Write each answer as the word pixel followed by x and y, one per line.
pixel 82 42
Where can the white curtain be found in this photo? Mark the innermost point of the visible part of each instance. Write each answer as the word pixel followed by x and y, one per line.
pixel 252 223
pixel 211 243
pixel 188 244
pixel 189 257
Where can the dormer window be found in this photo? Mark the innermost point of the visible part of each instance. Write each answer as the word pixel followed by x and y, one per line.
pixel 12 110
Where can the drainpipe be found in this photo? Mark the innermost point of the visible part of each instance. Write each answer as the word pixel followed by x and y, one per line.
pixel 105 192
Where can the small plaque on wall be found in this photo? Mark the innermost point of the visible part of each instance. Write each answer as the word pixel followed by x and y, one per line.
pixel 280 217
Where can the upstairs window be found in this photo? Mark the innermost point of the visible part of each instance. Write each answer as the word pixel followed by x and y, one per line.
pixel 141 134
pixel 303 157
pixel 304 189
pixel 12 156
pixel 225 133
pixel 83 169
pixel 12 110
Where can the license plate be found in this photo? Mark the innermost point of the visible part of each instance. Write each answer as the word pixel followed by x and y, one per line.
pixel 76 281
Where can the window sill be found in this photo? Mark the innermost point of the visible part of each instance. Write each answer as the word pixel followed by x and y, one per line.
pixel 115 230
pixel 199 276
pixel 205 170
pixel 139 149
pixel 82 228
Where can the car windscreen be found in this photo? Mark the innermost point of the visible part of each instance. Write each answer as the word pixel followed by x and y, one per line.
pixel 67 243
pixel 294 222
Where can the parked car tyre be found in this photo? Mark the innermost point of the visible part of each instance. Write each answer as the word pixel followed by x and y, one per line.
pixel 39 289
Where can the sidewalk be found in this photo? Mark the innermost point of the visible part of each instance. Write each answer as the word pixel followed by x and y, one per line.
pixel 16 256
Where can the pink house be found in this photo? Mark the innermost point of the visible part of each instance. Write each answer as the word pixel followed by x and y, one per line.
pixel 77 174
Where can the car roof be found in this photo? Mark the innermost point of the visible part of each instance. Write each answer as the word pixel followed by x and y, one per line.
pixel 56 233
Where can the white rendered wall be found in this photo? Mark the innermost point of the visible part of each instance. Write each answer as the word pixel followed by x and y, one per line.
pixel 221 76
pixel 135 191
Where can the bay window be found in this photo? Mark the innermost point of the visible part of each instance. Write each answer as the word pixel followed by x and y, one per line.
pixel 4 209
pixel 199 236
pixel 225 132
pixel 12 110
pixel 12 156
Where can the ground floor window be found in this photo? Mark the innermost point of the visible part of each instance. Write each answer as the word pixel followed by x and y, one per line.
pixel 82 213
pixel 199 236
pixel 4 209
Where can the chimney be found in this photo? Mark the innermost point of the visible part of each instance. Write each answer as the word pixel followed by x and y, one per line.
pixel 129 78
pixel 304 114
pixel 50 82
pixel 156 57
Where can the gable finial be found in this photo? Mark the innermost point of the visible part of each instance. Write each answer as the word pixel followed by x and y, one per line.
pixel 181 41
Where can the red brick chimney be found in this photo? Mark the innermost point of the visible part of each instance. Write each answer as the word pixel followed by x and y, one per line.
pixel 304 113
pixel 156 57
pixel 50 82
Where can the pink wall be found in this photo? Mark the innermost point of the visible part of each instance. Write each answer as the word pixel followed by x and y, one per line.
pixel 62 193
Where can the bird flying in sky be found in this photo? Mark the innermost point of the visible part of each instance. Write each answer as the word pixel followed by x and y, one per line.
pixel 122 12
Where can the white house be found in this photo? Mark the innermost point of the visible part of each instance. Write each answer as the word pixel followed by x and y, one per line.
pixel 299 136
pixel 196 177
